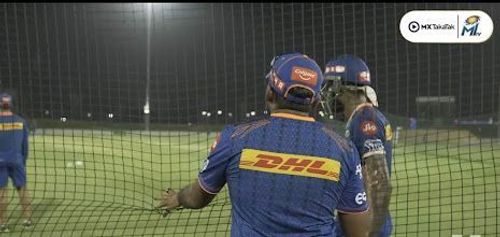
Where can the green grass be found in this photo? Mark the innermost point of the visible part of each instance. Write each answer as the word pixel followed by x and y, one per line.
pixel 439 189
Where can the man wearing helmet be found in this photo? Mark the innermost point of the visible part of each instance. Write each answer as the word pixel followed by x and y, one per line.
pixel 347 95
pixel 287 173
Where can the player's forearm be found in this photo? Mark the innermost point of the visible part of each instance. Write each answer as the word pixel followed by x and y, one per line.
pixel 380 200
pixel 193 197
pixel 379 189
pixel 355 225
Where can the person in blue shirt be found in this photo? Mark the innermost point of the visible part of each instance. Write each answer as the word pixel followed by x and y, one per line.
pixel 14 134
pixel 348 95
pixel 286 173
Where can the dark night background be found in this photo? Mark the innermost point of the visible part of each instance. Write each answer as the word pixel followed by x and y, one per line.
pixel 74 58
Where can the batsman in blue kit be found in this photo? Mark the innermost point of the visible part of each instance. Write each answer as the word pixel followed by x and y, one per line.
pixel 13 154
pixel 348 95
pixel 286 173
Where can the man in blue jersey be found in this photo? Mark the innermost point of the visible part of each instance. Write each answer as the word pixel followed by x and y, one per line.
pixel 348 95
pixel 13 154
pixel 286 173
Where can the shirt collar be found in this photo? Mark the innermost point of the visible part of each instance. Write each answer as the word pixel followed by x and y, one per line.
pixel 362 105
pixel 293 116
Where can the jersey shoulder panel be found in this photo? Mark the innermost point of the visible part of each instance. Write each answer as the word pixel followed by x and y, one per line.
pixel 341 141
pixel 243 129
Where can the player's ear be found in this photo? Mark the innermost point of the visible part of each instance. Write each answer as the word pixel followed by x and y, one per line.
pixel 315 105
pixel 270 96
pixel 271 99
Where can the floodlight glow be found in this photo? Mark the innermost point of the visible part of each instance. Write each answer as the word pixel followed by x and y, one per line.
pixel 151 5
pixel 321 114
pixel 47 112
pixel 203 113
pixel 331 116
pixel 146 109
pixel 209 114
pixel 248 115
pixel 219 112
pixel 265 111
pixel 230 114
pixel 252 113
pixel 63 119
pixel 89 115
pixel 110 115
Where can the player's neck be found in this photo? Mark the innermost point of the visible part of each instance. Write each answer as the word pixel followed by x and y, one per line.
pixel 348 111
pixel 288 111
pixel 351 108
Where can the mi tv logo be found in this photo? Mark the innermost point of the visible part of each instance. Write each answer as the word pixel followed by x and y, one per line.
pixel 290 164
pixel 446 26
pixel 471 26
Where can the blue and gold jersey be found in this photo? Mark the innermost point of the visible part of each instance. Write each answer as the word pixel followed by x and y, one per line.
pixel 286 175
pixel 13 140
pixel 371 133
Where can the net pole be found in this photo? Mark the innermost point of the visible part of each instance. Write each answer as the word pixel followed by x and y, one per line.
pixel 498 118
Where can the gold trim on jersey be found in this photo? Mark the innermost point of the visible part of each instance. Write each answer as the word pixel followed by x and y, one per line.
pixel 11 126
pixel 388 132
pixel 293 116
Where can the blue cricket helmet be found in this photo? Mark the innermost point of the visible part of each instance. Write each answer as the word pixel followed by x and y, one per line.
pixel 346 71
pixel 350 69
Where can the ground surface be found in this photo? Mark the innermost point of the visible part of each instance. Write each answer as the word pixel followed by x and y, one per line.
pixel 441 188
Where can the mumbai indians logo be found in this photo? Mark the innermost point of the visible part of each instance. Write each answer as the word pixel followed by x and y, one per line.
pixel 471 26
pixel 290 164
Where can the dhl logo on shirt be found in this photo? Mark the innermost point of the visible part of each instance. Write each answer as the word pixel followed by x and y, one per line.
pixel 11 126
pixel 290 164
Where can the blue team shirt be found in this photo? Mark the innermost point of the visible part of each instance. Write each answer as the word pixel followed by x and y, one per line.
pixel 286 175
pixel 371 133
pixel 13 140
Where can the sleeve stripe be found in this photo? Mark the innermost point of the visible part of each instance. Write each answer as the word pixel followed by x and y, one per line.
pixel 373 153
pixel 205 187
pixel 353 212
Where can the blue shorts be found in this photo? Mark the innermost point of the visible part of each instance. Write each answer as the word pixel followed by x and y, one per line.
pixel 16 172
pixel 384 232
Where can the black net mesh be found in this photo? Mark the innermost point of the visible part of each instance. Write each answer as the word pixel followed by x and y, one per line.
pixel 82 74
